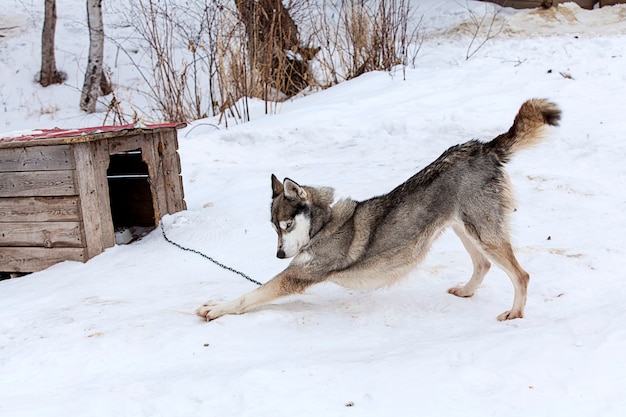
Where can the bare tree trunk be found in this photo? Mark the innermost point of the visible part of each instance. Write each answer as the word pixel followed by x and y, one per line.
pixel 93 73
pixel 274 45
pixel 49 74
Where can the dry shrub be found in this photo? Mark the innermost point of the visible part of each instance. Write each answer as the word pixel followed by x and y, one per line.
pixel 205 58
pixel 358 36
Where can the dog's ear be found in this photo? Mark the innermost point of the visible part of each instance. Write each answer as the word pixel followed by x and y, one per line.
pixel 294 191
pixel 277 187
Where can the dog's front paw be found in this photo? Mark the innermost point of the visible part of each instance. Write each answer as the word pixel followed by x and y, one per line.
pixel 460 291
pixel 510 315
pixel 209 311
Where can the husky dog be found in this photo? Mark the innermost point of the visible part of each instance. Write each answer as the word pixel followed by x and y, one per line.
pixel 374 243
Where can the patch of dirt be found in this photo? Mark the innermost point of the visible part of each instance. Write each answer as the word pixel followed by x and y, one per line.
pixel 567 18
pixel 556 14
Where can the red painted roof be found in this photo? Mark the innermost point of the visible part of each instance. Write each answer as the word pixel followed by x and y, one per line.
pixel 68 133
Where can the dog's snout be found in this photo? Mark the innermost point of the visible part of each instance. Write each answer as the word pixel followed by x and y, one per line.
pixel 280 254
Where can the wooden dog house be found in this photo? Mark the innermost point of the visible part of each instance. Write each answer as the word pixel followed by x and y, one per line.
pixel 64 192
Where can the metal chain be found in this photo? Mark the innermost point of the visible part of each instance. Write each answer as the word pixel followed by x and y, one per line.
pixel 197 252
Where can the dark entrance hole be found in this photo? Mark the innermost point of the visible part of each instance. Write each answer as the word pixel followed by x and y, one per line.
pixel 132 207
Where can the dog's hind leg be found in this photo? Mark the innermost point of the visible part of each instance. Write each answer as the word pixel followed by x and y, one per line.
pixel 479 261
pixel 495 246
pixel 502 255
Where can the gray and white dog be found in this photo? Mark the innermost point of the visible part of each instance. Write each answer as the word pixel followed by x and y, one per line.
pixel 374 243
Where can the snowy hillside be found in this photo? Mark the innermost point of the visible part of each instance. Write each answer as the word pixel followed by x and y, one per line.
pixel 117 336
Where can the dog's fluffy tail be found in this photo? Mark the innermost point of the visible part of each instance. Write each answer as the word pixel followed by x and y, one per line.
pixel 528 128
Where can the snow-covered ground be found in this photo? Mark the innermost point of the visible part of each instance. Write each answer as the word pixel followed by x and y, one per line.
pixel 116 336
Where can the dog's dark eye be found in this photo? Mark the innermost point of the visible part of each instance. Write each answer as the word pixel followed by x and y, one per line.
pixel 286 225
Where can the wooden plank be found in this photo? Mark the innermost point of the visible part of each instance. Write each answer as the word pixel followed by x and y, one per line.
pixel 35 259
pixel 36 158
pixel 150 156
pixel 37 183
pixel 90 202
pixel 42 234
pixel 171 171
pixel 125 144
pixel 181 204
pixel 38 209
pixel 100 156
